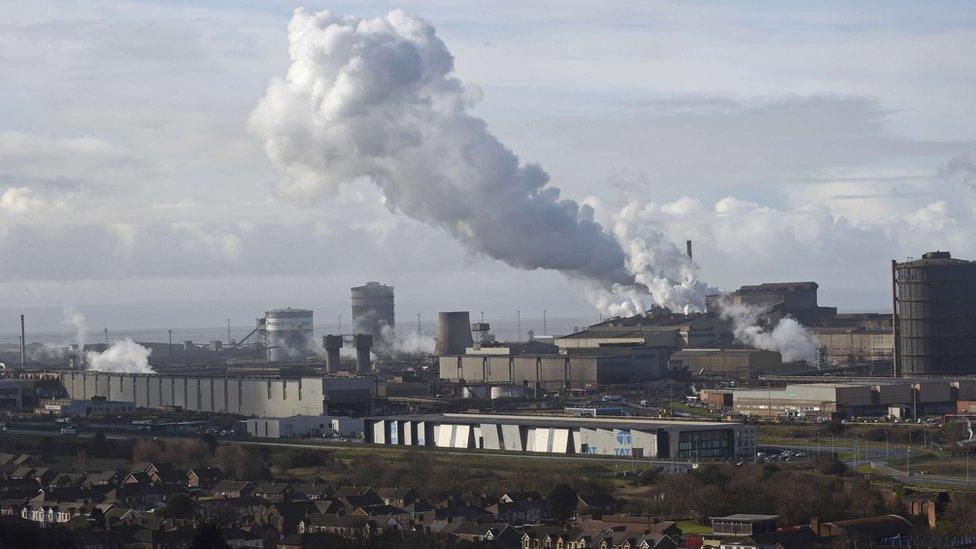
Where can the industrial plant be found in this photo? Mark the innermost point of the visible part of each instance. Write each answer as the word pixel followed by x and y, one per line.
pixel 912 362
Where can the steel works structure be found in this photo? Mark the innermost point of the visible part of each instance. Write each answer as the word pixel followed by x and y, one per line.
pixel 372 310
pixel 934 306
pixel 246 396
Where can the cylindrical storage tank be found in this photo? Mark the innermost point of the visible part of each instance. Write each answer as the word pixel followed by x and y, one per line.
pixel 332 344
pixel 289 334
pixel 936 311
pixel 453 333
pixel 363 343
pixel 372 310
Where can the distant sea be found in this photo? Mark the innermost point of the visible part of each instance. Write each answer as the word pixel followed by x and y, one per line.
pixel 504 330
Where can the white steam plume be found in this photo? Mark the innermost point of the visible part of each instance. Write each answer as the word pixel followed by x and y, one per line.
pixel 377 100
pixel 77 320
pixel 788 336
pixel 410 343
pixel 124 355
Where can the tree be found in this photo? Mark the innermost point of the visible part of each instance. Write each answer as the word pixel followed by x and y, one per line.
pixel 99 437
pixel 81 462
pixel 146 451
pixel 240 464
pixel 210 442
pixel 97 518
pixel 180 506
pixel 207 536
pixel 562 502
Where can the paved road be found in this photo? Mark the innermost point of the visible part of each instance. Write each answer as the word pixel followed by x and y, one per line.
pixel 935 480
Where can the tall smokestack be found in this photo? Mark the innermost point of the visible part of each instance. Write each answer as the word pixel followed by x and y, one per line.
pixel 362 343
pixel 332 344
pixel 23 342
pixel 688 248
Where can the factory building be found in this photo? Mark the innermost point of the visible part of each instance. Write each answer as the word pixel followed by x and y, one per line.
pixel 631 437
pixel 372 310
pixel 246 396
pixel 15 394
pixel 555 371
pixel 726 363
pixel 95 406
pixel 288 334
pixel 778 299
pixel 303 426
pixel 934 301
pixel 851 399
pixel 660 329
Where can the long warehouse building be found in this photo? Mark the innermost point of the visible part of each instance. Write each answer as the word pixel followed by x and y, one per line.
pixel 246 396
pixel 635 437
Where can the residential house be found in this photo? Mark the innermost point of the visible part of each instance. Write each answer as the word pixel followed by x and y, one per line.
pixel 204 478
pixel 350 526
pixel 273 492
pixel 104 478
pixel 398 497
pixel 232 489
pixel 286 516
pixel 312 491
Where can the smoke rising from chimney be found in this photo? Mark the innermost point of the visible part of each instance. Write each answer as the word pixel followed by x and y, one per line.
pixel 377 100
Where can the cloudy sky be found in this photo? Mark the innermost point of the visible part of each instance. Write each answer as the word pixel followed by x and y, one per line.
pixel 789 141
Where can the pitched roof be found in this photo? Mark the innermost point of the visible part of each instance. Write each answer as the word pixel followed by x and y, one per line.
pixel 329 520
pixel 873 527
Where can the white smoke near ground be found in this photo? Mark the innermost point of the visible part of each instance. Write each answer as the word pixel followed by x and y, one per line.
pixel 123 356
pixel 404 344
pixel 377 100
pixel 787 336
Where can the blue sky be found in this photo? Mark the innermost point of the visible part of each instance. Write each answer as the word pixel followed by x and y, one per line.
pixel 789 140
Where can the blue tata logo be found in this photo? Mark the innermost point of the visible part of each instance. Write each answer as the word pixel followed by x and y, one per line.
pixel 623 437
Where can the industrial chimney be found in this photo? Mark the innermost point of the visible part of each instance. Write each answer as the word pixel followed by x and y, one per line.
pixel 332 344
pixel 23 342
pixel 688 248
pixel 453 333
pixel 363 343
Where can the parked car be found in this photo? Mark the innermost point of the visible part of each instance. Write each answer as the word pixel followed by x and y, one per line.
pixel 69 431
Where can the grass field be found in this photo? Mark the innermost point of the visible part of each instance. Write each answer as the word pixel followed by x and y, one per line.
pixel 692 527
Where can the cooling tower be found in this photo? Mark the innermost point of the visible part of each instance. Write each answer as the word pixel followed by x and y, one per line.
pixel 362 343
pixel 332 344
pixel 453 333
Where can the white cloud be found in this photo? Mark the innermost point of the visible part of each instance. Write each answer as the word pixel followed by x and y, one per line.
pixel 21 200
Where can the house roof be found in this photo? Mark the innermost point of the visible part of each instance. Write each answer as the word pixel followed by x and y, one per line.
pixel 271 488
pixel 873 527
pixel 231 485
pixel 329 520
pixel 206 472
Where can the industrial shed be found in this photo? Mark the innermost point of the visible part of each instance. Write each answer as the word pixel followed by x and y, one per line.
pixel 246 396
pixel 739 363
pixel 633 437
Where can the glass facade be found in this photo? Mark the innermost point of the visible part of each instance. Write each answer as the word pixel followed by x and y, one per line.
pixel 705 444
